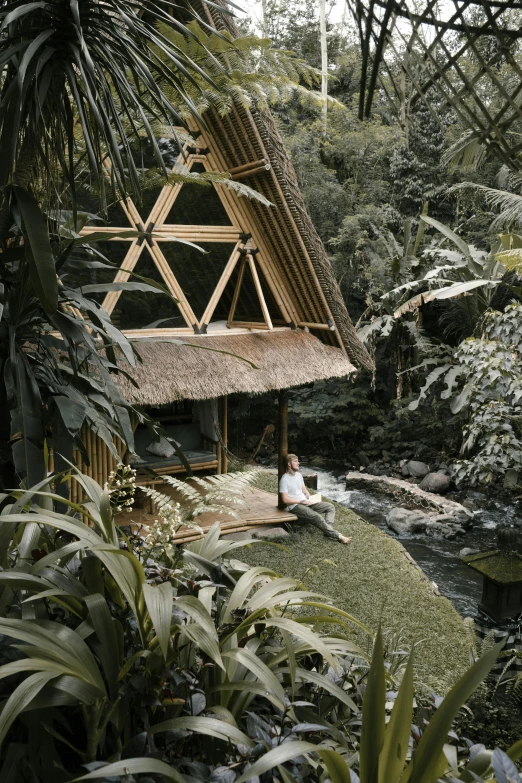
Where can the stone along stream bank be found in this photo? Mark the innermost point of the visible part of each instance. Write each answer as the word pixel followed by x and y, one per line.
pixel 438 557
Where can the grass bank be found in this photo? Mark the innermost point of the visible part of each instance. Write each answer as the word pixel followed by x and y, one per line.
pixel 373 579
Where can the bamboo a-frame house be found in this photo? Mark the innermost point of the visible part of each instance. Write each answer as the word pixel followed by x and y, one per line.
pixel 264 290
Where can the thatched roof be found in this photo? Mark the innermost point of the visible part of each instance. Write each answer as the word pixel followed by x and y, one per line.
pixel 243 136
pixel 175 371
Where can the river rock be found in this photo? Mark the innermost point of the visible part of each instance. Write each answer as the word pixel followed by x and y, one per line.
pixel 436 482
pixel 404 521
pixel 417 469
pixel 444 526
pixel 468 550
pixel 412 495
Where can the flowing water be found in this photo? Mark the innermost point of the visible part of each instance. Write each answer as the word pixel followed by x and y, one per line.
pixel 438 557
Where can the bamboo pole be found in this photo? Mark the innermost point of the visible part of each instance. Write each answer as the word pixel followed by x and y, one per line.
pixel 122 275
pixel 172 284
pixel 274 279
pixel 186 228
pixel 252 172
pixel 283 441
pixel 245 166
pixel 314 326
pixel 250 325
pixel 94 458
pixel 300 240
pixel 224 434
pixel 283 240
pixel 225 277
pixel 105 464
pixel 259 290
pixel 237 289
pixel 278 289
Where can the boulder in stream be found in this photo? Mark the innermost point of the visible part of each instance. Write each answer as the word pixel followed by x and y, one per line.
pixel 404 521
pixel 436 482
pixel 417 469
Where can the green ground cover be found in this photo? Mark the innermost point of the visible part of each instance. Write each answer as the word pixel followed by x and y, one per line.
pixel 373 579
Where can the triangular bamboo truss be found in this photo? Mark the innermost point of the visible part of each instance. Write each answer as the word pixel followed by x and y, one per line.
pixel 159 232
pixel 475 71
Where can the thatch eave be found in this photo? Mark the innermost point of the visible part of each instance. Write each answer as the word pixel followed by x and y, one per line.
pixel 176 370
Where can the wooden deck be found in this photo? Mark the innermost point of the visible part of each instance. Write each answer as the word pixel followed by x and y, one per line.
pixel 261 510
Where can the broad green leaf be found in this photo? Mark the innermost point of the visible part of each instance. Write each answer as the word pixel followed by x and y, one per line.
pixel 396 737
pixel 458 289
pixel 135 767
pixel 279 755
pixel 159 603
pixel 448 233
pixel 106 632
pixel 325 682
pixel 304 633
pixel 21 697
pixel 260 670
pixel 38 250
pixel 209 726
pixel 243 588
pixel 57 642
pixel 197 612
pixel 430 746
pixel 250 687
pixel 373 716
pixel 337 767
pixel 203 639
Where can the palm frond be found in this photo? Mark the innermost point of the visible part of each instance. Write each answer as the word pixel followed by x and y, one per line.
pixel 509 204
pixel 467 152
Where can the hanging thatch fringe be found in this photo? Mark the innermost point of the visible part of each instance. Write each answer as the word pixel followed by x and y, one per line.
pixel 171 371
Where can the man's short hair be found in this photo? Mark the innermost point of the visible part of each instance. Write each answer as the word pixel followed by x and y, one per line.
pixel 289 458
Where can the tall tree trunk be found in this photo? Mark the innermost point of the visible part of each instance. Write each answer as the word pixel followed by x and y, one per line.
pixel 324 61
pixel 264 12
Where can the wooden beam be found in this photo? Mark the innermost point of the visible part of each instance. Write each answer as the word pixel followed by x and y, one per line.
pixel 198 233
pixel 245 166
pixel 245 220
pixel 237 289
pixel 252 172
pixel 123 274
pixel 224 434
pixel 315 326
pixel 172 284
pixel 259 290
pixel 225 277
pixel 249 325
pixel 283 441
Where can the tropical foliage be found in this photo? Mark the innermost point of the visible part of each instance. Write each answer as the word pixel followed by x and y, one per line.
pixel 202 668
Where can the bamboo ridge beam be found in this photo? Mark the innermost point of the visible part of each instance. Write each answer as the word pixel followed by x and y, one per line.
pixel 251 165
pixel 252 172
pixel 305 324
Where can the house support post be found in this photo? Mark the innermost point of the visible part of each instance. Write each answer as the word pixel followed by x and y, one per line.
pixel 283 439
pixel 224 434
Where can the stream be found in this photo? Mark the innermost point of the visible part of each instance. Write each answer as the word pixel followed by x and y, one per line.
pixel 438 557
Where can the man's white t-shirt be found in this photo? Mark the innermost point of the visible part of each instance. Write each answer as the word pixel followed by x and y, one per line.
pixel 293 486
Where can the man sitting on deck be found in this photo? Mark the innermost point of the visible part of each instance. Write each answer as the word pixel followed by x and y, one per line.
pixel 296 498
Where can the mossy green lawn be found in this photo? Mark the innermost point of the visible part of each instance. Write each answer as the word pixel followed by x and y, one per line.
pixel 373 580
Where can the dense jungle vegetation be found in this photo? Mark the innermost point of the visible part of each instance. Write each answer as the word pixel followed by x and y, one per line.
pixel 420 222
pixel 124 657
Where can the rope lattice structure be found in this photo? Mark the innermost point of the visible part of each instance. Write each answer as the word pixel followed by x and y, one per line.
pixel 465 52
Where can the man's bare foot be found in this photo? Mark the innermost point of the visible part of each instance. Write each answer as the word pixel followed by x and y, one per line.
pixel 345 539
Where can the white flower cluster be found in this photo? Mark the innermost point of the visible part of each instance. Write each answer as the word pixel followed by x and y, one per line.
pixel 122 488
pixel 163 531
